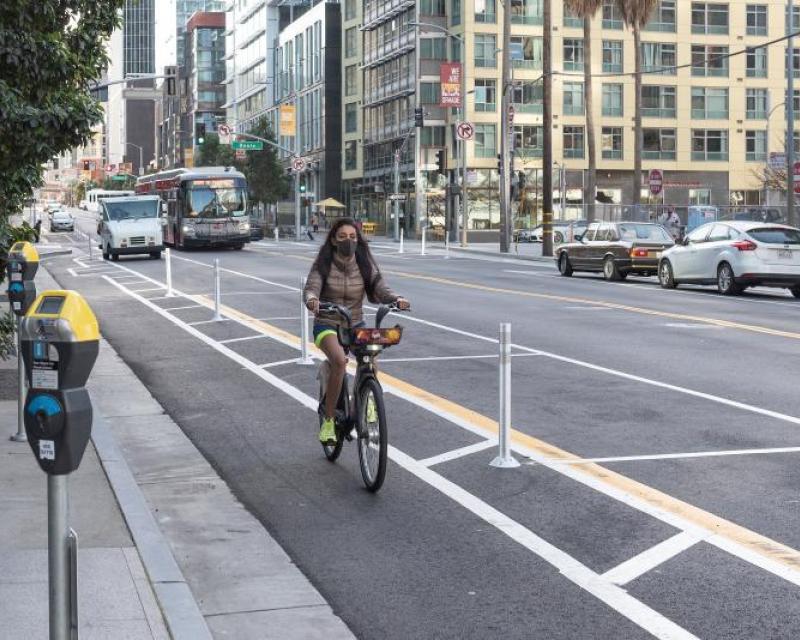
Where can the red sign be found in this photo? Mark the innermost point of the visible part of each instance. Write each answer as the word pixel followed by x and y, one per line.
pixel 656 181
pixel 796 176
pixel 511 113
pixel 450 78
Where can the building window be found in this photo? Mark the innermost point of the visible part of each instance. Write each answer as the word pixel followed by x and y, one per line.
pixel 455 12
pixel 485 50
pixel 756 63
pixel 794 27
pixel 796 101
pixel 349 9
pixel 485 144
pixel 755 143
pixel 527 97
pixel 612 56
pixel 430 92
pixel 528 141
pixel 432 136
pixel 573 142
pixel 573 98
pixel 658 101
pixel 351 80
pixel 350 155
pixel 612 17
pixel 526 52
pixel 756 19
pixel 699 197
pixel 485 11
pixel 795 62
pixel 756 104
pixel 573 54
pixel 658 144
pixel 485 94
pixel 710 144
pixel 571 20
pixel 709 103
pixel 351 117
pixel 432 7
pixel 350 42
pixel 526 12
pixel 663 17
pixel 433 48
pixel 709 60
pixel 658 57
pixel 612 100
pixel 611 143
pixel 709 18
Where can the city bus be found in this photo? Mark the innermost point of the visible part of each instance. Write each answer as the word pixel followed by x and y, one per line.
pixel 94 196
pixel 203 206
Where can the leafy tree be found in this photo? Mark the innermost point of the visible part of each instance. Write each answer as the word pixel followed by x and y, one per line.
pixel 266 175
pixel 51 51
pixel 213 154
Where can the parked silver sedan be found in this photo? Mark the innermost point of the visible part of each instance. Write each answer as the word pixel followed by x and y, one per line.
pixel 735 255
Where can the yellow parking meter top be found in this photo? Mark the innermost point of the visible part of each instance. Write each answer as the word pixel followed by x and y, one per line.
pixel 69 306
pixel 23 251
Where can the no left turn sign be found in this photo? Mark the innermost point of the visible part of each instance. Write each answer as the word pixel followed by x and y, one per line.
pixel 298 165
pixel 465 130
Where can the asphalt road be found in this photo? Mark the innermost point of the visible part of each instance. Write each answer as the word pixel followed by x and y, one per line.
pixel 657 430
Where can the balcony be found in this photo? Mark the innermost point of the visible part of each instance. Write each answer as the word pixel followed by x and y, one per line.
pixel 487 18
pixel 710 156
pixel 710 29
pixel 655 112
pixel 613 112
pixel 756 156
pixel 661 27
pixel 526 64
pixel 529 107
pixel 573 22
pixel 486 63
pixel 612 67
pixel 572 65
pixel 573 109
pixel 711 73
pixel 757 30
pixel 755 114
pixel 612 24
pixel 526 20
pixel 756 73
pixel 658 155
pixel 703 114
pixel 485 106
pixel 573 153
pixel 612 154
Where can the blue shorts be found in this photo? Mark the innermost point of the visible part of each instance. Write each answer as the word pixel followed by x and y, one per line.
pixel 322 330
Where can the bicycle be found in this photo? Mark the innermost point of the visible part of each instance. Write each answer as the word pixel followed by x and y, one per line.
pixel 360 407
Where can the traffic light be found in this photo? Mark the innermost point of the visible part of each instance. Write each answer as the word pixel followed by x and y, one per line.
pixel 302 187
pixel 200 132
pixel 440 161
pixel 419 118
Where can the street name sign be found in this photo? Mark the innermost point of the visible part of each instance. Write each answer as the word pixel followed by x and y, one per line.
pixel 247 145
pixel 397 196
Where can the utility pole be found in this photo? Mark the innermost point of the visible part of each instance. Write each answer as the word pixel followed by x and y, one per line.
pixel 464 197
pixel 418 193
pixel 505 155
pixel 547 130
pixel 790 215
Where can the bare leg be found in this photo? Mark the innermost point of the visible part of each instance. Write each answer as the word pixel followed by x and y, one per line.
pixel 338 360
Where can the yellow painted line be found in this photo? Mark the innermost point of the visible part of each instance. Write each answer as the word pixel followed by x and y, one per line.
pixel 717 322
pixel 657 500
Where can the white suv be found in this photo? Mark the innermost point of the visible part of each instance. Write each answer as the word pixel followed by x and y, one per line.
pixel 734 256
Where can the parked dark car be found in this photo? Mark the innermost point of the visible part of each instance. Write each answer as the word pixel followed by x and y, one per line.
pixel 256 229
pixel 615 249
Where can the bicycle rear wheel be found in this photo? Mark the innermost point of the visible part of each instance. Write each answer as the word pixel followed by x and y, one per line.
pixel 373 437
pixel 331 452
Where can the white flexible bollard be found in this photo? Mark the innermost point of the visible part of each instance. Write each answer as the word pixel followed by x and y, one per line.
pixel 217 292
pixel 504 459
pixel 304 357
pixel 168 258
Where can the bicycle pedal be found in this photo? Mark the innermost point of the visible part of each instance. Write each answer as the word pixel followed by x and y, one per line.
pixel 349 436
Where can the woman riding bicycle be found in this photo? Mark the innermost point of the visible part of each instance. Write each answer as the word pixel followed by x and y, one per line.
pixel 343 273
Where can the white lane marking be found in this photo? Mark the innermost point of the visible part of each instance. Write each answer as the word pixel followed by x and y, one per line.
pixel 650 558
pixel 256 337
pixel 277 363
pixel 238 273
pixel 194 324
pixel 440 358
pixel 573 471
pixel 447 456
pixel 71 272
pixel 532 273
pixel 590 581
pixel 147 290
pixel 255 293
pixel 692 325
pixel 587 307
pixel 188 306
pixel 683 456
pixel 280 318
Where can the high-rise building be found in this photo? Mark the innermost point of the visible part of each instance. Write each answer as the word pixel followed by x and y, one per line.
pixel 138 35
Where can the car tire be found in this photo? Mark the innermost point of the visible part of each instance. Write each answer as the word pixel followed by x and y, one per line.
pixel 238 247
pixel 611 271
pixel 106 253
pixel 795 291
pixel 115 257
pixel 726 284
pixel 666 277
pixel 564 266
pixel 155 255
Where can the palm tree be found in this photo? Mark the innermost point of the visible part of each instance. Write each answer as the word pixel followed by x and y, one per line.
pixel 587 9
pixel 635 14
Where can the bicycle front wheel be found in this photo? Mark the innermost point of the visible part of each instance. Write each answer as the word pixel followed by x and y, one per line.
pixel 373 437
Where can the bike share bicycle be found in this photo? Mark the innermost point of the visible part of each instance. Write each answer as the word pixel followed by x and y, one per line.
pixel 360 407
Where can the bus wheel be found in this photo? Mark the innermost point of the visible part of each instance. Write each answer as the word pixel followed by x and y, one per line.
pixel 238 247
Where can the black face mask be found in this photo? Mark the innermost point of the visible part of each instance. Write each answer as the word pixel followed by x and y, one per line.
pixel 346 248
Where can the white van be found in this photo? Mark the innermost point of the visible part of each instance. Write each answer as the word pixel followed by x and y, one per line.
pixel 131 224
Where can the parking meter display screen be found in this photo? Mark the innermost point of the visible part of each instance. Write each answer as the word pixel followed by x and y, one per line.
pixel 51 305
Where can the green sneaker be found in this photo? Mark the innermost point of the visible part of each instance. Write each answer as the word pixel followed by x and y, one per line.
pixel 372 411
pixel 327 432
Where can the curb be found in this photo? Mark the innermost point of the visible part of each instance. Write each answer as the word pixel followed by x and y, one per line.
pixel 497 254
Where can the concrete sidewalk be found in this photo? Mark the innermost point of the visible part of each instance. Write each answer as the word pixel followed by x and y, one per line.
pixel 165 549
pixel 531 251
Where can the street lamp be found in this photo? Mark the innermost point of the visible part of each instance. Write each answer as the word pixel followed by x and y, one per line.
pixel 141 162
pixel 462 143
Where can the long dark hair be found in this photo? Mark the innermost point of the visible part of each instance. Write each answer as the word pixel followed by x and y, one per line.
pixel 364 260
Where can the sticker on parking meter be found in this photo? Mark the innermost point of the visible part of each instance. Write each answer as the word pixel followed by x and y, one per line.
pixel 16 276
pixel 44 375
pixel 47 450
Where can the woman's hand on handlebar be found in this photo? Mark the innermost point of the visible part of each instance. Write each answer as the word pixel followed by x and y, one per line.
pixel 312 304
pixel 402 304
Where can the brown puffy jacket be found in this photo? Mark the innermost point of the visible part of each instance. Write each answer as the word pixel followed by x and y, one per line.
pixel 345 286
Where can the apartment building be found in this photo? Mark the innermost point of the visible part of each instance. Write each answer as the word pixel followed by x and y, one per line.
pixel 712 100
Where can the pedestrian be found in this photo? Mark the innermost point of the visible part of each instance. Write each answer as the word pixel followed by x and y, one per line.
pixel 37 228
pixel 309 234
pixel 674 224
pixel 315 223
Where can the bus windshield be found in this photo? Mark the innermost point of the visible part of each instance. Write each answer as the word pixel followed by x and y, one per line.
pixel 216 199
pixel 132 209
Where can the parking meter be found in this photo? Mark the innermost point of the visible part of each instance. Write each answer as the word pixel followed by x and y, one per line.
pixel 21 267
pixel 60 342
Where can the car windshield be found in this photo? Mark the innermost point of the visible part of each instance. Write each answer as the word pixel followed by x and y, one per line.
pixel 132 209
pixel 61 214
pixel 630 232
pixel 216 199
pixel 775 235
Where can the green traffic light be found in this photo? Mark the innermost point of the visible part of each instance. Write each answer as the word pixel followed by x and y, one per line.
pixel 302 188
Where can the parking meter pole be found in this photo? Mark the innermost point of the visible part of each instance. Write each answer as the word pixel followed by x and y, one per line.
pixel 401 239
pixel 217 292
pixel 57 561
pixel 168 257
pixel 20 435
pixel 446 247
pixel 505 460
pixel 304 357
pixel 422 250
pixel 276 234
